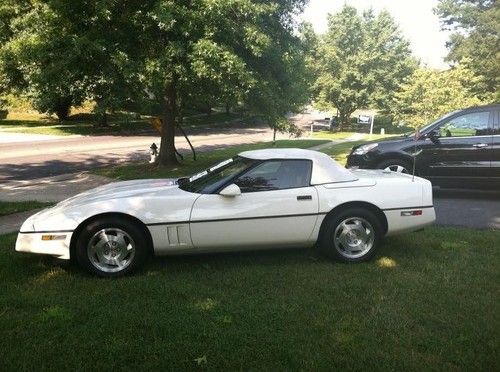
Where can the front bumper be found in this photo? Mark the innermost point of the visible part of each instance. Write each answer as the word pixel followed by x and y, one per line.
pixel 361 161
pixel 32 242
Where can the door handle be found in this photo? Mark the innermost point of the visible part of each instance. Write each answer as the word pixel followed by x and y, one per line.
pixel 304 197
pixel 480 145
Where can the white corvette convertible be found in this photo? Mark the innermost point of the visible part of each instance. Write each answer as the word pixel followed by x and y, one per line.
pixel 258 199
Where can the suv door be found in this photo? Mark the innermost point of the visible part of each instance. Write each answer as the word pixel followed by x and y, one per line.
pixel 277 206
pixel 495 148
pixel 461 150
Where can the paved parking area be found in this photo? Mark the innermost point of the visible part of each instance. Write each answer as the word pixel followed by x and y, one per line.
pixel 468 208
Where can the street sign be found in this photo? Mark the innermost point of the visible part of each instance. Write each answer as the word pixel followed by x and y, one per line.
pixel 364 119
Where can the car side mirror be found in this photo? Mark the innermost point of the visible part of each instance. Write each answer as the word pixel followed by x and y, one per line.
pixel 230 190
pixel 434 135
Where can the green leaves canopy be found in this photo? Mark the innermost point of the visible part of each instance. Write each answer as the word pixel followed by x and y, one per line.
pixel 475 40
pixel 361 60
pixel 429 94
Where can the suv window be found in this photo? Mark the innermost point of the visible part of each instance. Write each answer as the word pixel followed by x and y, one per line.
pixel 276 175
pixel 473 124
pixel 496 123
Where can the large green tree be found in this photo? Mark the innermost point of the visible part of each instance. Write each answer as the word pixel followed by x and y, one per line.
pixel 35 57
pixel 475 40
pixel 428 94
pixel 60 53
pixel 239 49
pixel 361 60
pixel 166 53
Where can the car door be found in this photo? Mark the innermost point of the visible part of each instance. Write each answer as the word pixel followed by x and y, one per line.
pixel 462 148
pixel 495 148
pixel 277 207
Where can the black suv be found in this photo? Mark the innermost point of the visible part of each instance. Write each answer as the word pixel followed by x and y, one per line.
pixel 461 149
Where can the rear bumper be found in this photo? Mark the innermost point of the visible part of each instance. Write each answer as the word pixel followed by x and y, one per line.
pixel 31 242
pixel 400 220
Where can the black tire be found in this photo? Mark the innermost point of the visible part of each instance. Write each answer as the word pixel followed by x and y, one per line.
pixel 331 247
pixel 396 162
pixel 134 237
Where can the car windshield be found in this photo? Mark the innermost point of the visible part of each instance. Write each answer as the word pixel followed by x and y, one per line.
pixel 423 129
pixel 211 179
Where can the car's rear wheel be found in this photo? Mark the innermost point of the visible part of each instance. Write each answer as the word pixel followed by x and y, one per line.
pixel 395 165
pixel 111 247
pixel 352 235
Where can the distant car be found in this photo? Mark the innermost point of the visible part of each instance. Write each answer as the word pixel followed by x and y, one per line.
pixel 461 149
pixel 259 199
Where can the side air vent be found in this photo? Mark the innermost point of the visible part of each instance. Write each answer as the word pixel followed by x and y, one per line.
pixel 177 235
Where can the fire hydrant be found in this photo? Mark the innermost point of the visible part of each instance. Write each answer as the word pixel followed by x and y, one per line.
pixel 153 151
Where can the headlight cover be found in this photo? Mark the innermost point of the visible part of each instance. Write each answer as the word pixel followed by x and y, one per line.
pixel 364 149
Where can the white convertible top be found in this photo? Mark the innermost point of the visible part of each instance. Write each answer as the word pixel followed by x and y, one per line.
pixel 324 170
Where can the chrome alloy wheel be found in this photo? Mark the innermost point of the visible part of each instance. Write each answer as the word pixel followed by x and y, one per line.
pixel 111 250
pixel 396 168
pixel 354 237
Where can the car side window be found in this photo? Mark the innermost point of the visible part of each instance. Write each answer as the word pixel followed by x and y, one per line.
pixel 473 124
pixel 276 175
pixel 496 123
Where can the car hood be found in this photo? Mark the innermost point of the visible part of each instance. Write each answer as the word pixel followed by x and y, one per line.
pixel 114 197
pixel 389 140
pixel 124 189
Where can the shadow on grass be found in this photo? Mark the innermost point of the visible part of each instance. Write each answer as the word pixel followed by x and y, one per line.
pixel 409 251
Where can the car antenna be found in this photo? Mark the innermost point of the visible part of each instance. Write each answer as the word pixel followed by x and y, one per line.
pixel 415 153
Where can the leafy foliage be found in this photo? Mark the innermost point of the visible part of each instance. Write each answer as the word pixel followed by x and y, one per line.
pixel 162 54
pixel 360 62
pixel 475 40
pixel 429 94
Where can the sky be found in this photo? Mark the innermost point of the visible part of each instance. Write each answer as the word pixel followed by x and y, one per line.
pixel 415 18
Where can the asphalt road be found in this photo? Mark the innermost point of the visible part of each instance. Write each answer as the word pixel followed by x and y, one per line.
pixel 468 208
pixel 61 155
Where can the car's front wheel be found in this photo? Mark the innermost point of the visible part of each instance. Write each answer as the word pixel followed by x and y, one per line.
pixel 352 235
pixel 395 165
pixel 111 247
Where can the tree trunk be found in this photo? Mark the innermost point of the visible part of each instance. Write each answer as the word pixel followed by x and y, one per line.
pixel 63 107
pixel 274 136
pixel 228 107
pixel 344 117
pixel 168 108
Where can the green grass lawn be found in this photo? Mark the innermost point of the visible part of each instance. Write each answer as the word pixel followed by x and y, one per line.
pixel 340 151
pixel 188 166
pixel 346 135
pixel 429 301
pixel 15 207
pixel 84 124
pixel 334 135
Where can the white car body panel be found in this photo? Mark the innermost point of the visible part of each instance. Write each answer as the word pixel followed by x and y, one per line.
pixel 185 222
pixel 256 219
